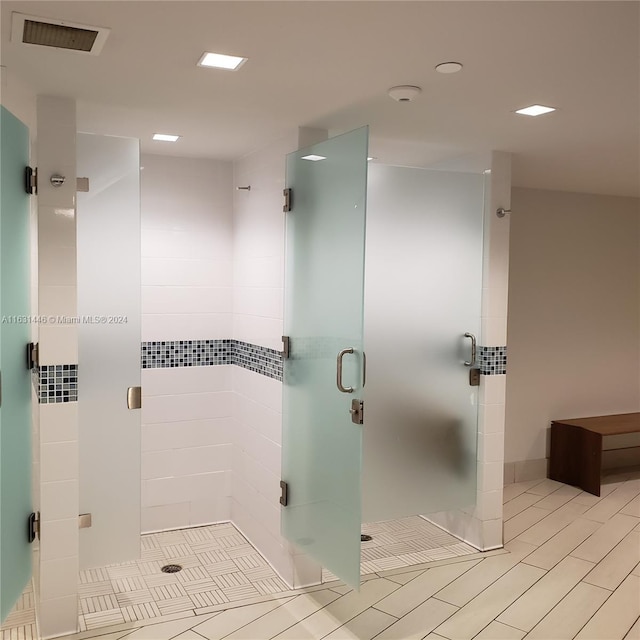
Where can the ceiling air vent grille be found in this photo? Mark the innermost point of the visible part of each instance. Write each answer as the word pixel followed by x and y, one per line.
pixel 59 36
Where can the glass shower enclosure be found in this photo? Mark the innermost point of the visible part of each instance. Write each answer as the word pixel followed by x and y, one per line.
pixel 382 307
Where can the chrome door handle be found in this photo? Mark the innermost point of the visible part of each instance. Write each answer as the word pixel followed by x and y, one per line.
pixel 339 371
pixel 472 362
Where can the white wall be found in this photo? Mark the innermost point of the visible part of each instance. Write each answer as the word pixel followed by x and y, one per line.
pixel 186 211
pixel 573 323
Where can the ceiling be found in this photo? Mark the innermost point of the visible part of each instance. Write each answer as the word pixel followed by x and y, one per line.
pixel 329 65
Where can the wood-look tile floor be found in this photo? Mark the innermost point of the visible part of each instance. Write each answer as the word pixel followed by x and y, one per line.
pixel 571 569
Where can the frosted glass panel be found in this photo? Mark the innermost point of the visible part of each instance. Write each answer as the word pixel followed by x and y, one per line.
pixel 108 222
pixel 422 294
pixel 321 449
pixel 15 412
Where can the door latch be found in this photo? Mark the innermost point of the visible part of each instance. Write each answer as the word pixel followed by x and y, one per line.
pixel 357 411
pixel 474 377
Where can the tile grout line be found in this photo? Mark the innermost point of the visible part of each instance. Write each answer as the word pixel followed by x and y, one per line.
pixel 279 607
pixel 581 581
pixel 597 563
pixel 475 564
pixel 495 618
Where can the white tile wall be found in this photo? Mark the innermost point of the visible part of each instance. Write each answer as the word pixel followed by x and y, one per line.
pixel 258 245
pixel 258 310
pixel 187 283
pixel 56 148
pixel 186 446
pixel 186 214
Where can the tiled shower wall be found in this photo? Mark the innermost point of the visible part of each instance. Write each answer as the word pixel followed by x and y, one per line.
pixel 258 289
pixel 56 148
pixel 186 217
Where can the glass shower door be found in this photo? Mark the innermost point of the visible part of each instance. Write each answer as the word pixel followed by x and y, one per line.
pixel 15 406
pixel 321 448
pixel 422 302
pixel 108 224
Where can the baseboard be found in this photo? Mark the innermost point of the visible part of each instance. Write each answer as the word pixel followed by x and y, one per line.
pixel 524 470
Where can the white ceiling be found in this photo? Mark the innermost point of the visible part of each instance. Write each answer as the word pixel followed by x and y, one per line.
pixel 329 65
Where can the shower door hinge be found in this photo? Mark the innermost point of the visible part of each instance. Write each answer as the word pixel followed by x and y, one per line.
pixel 287 200
pixel 474 377
pixel 286 347
pixel 32 355
pixel 82 185
pixel 31 181
pixel 284 493
pixel 357 411
pixel 33 526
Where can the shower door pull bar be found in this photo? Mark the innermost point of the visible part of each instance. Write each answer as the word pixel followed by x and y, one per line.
pixel 472 362
pixel 341 387
pixel 134 398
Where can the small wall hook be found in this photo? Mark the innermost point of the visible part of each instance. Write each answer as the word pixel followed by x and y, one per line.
pixel 248 188
pixel 502 212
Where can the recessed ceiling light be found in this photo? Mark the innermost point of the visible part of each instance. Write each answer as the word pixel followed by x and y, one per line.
pixel 535 110
pixel 449 67
pixel 165 137
pixel 221 61
pixel 313 157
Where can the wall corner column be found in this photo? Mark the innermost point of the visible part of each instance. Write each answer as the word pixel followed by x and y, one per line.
pixel 57 308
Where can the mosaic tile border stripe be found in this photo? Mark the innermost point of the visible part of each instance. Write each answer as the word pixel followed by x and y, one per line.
pixel 57 383
pixel 186 353
pixel 202 353
pixel 492 360
pixel 267 362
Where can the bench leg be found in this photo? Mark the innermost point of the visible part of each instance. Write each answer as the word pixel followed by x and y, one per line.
pixel 576 457
pixel 591 462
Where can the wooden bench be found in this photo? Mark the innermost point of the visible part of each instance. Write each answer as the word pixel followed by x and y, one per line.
pixel 576 447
